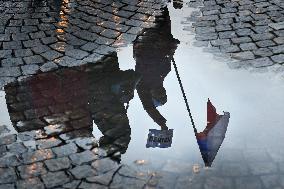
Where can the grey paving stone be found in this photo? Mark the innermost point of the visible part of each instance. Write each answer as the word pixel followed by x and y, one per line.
pixel 5 37
pixel 48 143
pixel 244 32
pixel 30 69
pixel 36 59
pixel 32 43
pixel 49 66
pixel 30 183
pixel 277 26
pixel 241 40
pixel 104 41
pixel 17 148
pixel 32 170
pixel 7 175
pixel 86 143
pixel 66 61
pixel 71 185
pixel 230 49
pixel 278 40
pixel 65 150
pixel 103 179
pixel 38 155
pixel 262 36
pixel 20 36
pixel 248 46
pixel 83 157
pixel 83 171
pixel 259 62
pixel 12 62
pixel 51 55
pixel 104 165
pixel 85 185
pixel 120 182
pixel 9 160
pixel 227 35
pixel 220 42
pixel 89 46
pixel 279 33
pixel 58 164
pixel 5 53
pixel 8 139
pixel 23 52
pixel 246 55
pixel 265 43
pixel 110 33
pixel 12 45
pixel 53 179
pixel 86 35
pixel 202 30
pixel 40 49
pixel 76 53
pixel 61 47
pixel 277 49
pixel 278 58
pixel 48 40
pixel 264 52
pixel 7 186
pixel 37 35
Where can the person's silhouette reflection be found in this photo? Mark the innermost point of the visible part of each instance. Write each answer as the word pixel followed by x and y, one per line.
pixel 68 101
pixel 110 90
pixel 153 55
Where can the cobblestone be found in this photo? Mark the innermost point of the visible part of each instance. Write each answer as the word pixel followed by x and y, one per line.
pixel 30 183
pixel 278 58
pixel 32 170
pixel 58 164
pixel 83 157
pixel 67 156
pixel 53 179
pixel 250 25
pixel 65 150
pixel 83 171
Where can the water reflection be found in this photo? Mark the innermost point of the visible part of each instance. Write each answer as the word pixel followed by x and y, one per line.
pixel 153 55
pixel 65 103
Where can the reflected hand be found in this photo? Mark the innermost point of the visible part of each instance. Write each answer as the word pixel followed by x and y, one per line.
pixel 164 126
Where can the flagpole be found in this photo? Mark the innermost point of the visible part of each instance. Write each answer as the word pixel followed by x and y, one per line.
pixel 184 96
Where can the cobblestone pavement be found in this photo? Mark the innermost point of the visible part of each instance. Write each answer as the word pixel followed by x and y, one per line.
pixel 53 111
pixel 39 36
pixel 249 31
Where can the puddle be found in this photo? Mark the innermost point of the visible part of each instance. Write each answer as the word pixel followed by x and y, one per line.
pixel 138 90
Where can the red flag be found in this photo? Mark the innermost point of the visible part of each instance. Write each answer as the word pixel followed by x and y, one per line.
pixel 211 114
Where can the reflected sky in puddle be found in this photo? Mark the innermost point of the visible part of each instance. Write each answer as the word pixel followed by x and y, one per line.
pixel 111 101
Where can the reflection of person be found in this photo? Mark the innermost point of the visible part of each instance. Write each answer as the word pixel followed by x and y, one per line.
pixel 69 100
pixel 109 92
pixel 153 56
pixel 178 4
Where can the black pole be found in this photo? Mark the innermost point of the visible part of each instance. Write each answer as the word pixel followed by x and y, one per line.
pixel 184 96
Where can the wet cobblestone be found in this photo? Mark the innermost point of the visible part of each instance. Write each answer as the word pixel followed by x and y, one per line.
pixel 65 154
pixel 253 27
pixel 73 30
